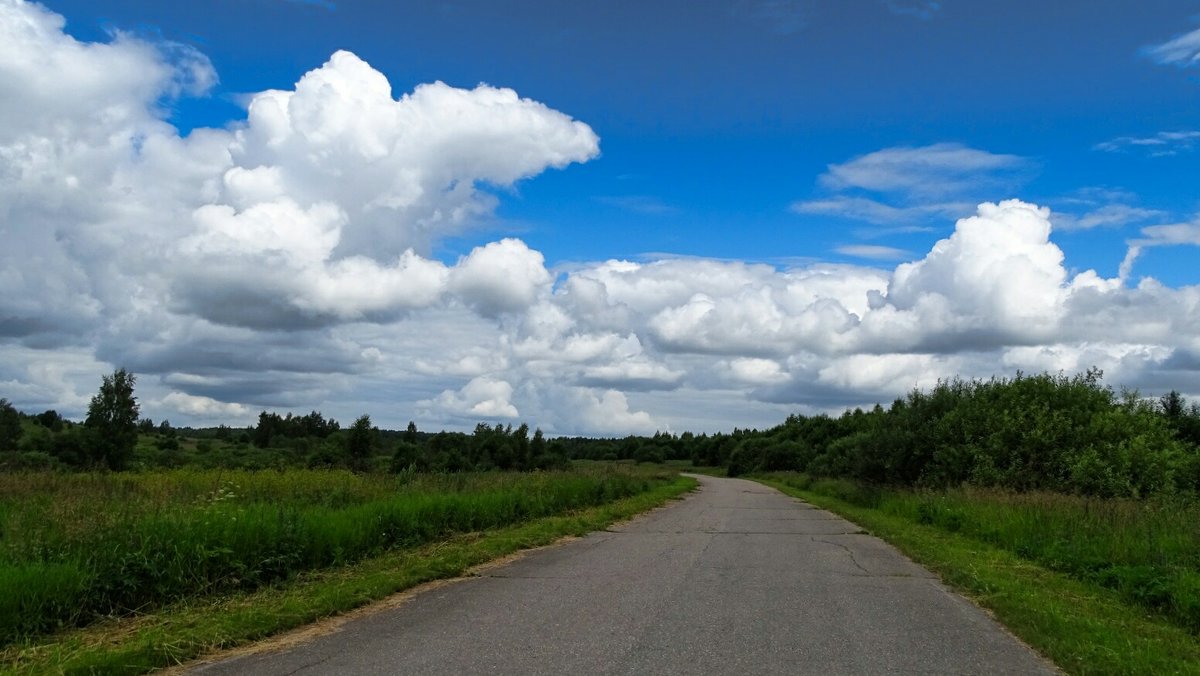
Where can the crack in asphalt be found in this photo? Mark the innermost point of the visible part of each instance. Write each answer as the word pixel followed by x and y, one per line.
pixel 849 552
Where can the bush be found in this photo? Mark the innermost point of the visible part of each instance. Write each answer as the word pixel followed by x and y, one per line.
pixel 1043 432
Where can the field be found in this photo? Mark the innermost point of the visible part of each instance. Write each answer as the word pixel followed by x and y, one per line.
pixel 75 548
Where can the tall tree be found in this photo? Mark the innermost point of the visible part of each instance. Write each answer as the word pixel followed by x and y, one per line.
pixel 360 442
pixel 520 444
pixel 10 426
pixel 112 418
pixel 1173 405
pixel 537 446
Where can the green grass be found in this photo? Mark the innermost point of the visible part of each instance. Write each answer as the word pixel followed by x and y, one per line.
pixel 74 548
pixel 1019 556
pixel 189 629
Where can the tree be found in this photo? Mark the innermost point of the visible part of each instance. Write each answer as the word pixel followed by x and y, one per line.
pixel 360 441
pixel 269 427
pixel 407 455
pixel 1173 405
pixel 51 420
pixel 522 457
pixel 112 418
pixel 10 426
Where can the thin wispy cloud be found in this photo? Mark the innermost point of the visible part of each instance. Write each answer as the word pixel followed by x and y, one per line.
pixel 905 185
pixel 1108 216
pixel 879 213
pixel 781 17
pixel 1162 144
pixel 920 9
pixel 1172 234
pixel 891 230
pixel 1182 50
pixel 938 169
pixel 1098 195
pixel 638 204
pixel 873 252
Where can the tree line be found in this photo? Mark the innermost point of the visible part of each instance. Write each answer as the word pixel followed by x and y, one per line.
pixel 114 437
pixel 1029 432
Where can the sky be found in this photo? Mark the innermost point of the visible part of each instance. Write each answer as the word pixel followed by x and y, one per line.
pixel 598 218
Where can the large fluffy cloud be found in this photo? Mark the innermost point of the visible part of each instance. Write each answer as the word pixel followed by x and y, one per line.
pixel 284 261
pixel 336 190
pixel 316 210
pixel 998 272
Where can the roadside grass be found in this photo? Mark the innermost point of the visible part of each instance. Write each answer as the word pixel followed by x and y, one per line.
pixel 80 547
pixel 1081 623
pixel 199 626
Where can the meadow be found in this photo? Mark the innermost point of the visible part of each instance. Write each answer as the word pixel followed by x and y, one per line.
pixel 77 547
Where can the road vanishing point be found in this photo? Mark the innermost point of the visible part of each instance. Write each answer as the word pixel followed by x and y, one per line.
pixel 736 578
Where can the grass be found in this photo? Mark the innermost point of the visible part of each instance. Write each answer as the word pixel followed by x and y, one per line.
pixel 82 547
pixel 1021 556
pixel 196 627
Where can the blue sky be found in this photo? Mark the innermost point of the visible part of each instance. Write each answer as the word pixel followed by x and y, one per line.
pixel 837 140
pixel 718 116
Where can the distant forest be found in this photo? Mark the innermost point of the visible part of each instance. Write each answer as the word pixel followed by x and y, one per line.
pixel 1030 432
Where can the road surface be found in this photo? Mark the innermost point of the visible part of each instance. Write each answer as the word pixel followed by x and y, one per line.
pixel 735 579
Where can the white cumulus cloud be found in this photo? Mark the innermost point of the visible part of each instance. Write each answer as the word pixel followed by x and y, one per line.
pixel 499 277
pixel 203 407
pixel 482 397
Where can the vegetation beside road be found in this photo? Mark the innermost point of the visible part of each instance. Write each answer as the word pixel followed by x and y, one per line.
pixel 75 548
pixel 1097 585
pixel 1066 434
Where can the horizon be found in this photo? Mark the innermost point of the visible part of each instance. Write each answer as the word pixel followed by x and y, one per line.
pixel 601 221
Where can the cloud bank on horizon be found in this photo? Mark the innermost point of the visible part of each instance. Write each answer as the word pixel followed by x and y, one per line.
pixel 285 262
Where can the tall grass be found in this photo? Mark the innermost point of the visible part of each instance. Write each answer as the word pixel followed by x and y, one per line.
pixel 74 547
pixel 1147 550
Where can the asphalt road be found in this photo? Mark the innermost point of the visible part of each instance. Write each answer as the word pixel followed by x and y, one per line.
pixel 735 579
